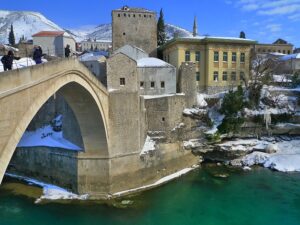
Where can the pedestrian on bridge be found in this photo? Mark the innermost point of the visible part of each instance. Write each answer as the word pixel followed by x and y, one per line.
pixel 67 51
pixel 37 55
pixel 7 60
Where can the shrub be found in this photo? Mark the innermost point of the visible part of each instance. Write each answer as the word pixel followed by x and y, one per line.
pixel 231 124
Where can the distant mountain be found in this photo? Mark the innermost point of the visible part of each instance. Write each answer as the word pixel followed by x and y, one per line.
pixel 104 32
pixel 28 23
pixel 24 23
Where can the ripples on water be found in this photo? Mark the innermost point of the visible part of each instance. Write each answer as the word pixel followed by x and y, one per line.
pixel 205 196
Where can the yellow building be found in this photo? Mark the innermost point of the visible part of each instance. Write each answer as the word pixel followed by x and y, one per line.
pixel 220 62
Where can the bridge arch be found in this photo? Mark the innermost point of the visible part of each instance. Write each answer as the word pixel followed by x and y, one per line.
pixel 88 103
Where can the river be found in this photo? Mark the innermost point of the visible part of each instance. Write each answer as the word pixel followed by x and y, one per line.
pixel 211 195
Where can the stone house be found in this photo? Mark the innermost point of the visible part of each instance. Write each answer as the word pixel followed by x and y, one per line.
pixel 53 43
pixel 155 77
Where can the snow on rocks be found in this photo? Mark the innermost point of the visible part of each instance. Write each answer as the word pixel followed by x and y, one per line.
pixel 201 101
pixel 283 156
pixel 149 146
pixel 193 111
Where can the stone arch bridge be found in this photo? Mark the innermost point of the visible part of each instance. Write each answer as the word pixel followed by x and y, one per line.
pixel 112 125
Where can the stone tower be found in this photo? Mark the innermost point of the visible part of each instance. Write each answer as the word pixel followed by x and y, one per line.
pixel 195 27
pixel 134 26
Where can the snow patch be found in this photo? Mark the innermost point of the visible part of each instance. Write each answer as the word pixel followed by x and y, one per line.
pixel 50 192
pixel 148 146
pixel 46 137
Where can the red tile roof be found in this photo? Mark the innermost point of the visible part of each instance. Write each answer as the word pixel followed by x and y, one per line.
pixel 48 34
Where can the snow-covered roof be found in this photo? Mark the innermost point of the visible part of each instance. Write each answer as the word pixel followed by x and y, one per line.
pixel 129 9
pixel 93 56
pixel 211 39
pixel 152 62
pixel 292 56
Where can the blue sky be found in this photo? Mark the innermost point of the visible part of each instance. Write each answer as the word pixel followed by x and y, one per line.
pixel 262 20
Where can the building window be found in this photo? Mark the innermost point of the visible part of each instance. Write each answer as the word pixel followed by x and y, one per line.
pixel 124 33
pixel 289 52
pixel 163 119
pixel 119 15
pixel 150 16
pixel 133 15
pixel 152 84
pixel 283 51
pixel 187 56
pixel 233 57
pixel 216 76
pixel 122 81
pixel 128 15
pixel 142 84
pixel 242 57
pixel 216 56
pixel 233 76
pixel 140 15
pixel 197 56
pixel 225 56
pixel 125 14
pixel 162 84
pixel 242 76
pixel 224 76
pixel 145 16
pixel 197 76
pixel 279 51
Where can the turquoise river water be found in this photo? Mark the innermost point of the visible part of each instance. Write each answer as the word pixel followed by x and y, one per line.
pixel 257 197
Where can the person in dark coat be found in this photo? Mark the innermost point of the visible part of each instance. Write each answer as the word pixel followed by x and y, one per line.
pixel 37 55
pixel 7 60
pixel 67 51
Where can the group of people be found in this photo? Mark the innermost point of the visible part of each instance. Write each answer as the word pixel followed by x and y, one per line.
pixel 7 60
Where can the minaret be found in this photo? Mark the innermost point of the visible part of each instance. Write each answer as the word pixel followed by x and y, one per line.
pixel 195 28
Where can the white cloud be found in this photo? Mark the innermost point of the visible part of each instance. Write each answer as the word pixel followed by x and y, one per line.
pixel 270 7
pixel 274 27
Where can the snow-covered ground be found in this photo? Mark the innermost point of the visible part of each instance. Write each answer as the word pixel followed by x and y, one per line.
pixel 23 62
pixel 46 137
pixel 50 192
pixel 284 155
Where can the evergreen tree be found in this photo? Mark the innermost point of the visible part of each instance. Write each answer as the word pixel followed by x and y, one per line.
pixel 242 35
pixel 161 33
pixel 11 36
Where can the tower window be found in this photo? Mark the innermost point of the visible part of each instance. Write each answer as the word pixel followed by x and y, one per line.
pixel 224 76
pixel 122 81
pixel 119 15
pixel 152 84
pixel 125 14
pixel 197 76
pixel 142 84
pixel 187 56
pixel 162 84
pixel 163 119
pixel 233 76
pixel 225 56
pixel 233 58
pixel 243 56
pixel 216 56
pixel 197 56
pixel 216 76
